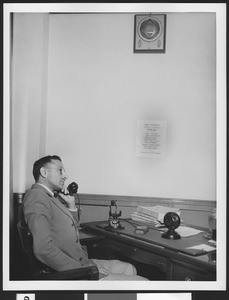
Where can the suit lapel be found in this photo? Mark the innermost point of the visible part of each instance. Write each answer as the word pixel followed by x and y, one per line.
pixel 62 207
pixel 57 202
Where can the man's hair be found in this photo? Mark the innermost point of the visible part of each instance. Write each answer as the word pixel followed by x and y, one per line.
pixel 41 163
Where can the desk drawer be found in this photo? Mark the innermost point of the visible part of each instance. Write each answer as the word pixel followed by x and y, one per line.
pixel 138 254
pixel 97 248
pixel 184 271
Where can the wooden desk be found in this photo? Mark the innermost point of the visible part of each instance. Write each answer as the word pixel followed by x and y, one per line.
pixel 153 251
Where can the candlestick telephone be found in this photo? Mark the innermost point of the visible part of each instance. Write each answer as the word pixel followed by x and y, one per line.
pixel 114 214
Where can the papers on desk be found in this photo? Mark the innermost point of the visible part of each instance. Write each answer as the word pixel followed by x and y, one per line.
pixel 202 247
pixel 152 214
pixel 155 215
pixel 185 231
pixel 136 216
pixel 156 212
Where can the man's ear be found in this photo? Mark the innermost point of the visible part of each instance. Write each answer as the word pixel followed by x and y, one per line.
pixel 43 172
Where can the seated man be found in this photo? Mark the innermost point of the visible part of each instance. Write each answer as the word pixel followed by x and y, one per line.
pixel 54 225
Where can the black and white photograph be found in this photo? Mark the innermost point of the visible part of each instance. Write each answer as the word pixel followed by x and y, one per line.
pixel 114 152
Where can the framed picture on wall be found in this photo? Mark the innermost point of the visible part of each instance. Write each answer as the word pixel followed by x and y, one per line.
pixel 149 33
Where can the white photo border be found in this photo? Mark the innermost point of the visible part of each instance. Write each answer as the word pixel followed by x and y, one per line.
pixel 220 10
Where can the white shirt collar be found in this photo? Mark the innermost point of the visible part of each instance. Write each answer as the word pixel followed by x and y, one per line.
pixel 47 189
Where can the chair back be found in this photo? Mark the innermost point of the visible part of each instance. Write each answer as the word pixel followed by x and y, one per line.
pixel 26 238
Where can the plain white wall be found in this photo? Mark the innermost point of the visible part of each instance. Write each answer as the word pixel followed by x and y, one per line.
pixel 81 71
pixel 98 89
pixel 28 102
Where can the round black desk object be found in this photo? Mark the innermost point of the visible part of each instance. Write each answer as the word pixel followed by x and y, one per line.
pixel 171 221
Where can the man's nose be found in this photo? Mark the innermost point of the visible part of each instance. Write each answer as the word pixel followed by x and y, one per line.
pixel 64 174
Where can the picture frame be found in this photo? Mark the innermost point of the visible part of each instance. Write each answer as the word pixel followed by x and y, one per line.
pixel 149 33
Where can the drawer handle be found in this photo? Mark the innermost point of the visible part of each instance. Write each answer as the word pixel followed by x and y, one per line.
pixel 187 278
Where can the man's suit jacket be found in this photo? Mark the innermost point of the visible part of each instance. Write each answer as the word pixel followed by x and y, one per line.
pixel 54 229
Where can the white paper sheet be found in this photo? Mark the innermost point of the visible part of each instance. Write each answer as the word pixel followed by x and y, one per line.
pixel 202 247
pixel 151 137
pixel 187 231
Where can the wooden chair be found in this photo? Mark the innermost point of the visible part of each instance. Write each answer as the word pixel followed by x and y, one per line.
pixel 40 271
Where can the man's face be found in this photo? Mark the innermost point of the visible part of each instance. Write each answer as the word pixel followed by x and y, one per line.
pixel 55 175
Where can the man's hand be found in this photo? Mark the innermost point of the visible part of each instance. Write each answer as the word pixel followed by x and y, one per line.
pixel 70 200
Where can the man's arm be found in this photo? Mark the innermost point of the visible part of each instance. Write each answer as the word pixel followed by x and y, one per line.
pixel 39 221
pixel 70 203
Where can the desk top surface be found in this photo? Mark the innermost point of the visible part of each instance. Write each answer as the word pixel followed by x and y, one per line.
pixel 153 239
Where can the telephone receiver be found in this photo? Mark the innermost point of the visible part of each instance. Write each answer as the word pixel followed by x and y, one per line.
pixel 72 188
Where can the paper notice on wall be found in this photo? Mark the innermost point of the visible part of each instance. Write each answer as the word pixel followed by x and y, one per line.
pixel 151 138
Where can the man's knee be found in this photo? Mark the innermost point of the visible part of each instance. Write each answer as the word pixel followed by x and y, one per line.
pixel 127 268
pixel 130 269
pixel 122 277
